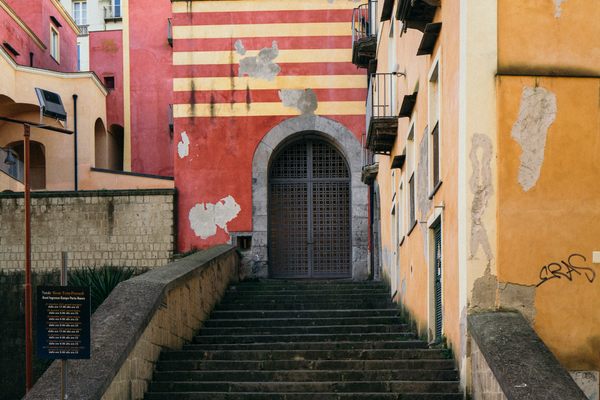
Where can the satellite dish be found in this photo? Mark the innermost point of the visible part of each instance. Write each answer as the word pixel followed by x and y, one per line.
pixel 51 105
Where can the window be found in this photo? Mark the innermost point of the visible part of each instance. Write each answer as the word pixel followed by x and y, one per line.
pixel 109 82
pixel 435 136
pixel 117 8
pixel 411 211
pixel 54 44
pixel 434 121
pixel 80 12
pixel 410 170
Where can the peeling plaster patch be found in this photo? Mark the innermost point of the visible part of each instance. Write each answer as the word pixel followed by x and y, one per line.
pixel 304 100
pixel 484 292
pixel 183 147
pixel 482 189
pixel 588 382
pixel 239 47
pixel 517 297
pixel 206 217
pixel 423 177
pixel 557 8
pixel 537 113
pixel 261 66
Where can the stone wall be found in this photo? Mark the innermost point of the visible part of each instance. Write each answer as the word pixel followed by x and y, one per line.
pixel 485 385
pixel 133 228
pixel 161 309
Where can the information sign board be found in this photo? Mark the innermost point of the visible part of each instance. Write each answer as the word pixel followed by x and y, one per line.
pixel 63 322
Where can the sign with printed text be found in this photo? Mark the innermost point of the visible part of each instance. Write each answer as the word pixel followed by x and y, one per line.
pixel 63 322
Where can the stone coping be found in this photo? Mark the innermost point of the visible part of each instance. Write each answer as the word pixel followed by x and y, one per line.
pixel 522 364
pixel 127 173
pixel 89 193
pixel 118 324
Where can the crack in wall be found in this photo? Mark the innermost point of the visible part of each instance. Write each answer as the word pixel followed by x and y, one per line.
pixel 482 189
pixel 558 8
pixel 530 131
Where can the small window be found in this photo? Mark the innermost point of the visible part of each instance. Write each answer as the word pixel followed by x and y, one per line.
pixel 54 44
pixel 109 82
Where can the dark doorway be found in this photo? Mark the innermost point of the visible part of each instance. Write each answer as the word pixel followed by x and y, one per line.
pixel 309 212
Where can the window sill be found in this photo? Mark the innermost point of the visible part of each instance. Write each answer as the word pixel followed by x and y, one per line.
pixel 435 190
pixel 412 228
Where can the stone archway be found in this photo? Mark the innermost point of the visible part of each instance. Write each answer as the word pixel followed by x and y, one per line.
pixel 351 149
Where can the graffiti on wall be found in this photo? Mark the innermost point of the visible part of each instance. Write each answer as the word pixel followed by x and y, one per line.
pixel 567 269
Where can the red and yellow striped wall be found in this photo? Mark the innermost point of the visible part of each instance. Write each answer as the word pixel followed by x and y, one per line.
pixel 225 114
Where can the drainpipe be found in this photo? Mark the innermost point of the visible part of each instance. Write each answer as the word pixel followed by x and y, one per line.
pixel 75 139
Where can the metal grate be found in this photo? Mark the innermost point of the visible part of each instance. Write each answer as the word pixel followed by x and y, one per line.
pixel 309 212
pixel 437 239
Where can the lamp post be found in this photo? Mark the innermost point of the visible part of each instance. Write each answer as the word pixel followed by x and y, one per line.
pixel 50 106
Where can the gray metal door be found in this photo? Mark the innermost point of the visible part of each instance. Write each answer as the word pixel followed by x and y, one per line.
pixel 309 212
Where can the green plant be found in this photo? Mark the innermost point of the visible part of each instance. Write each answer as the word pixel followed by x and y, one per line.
pixel 101 281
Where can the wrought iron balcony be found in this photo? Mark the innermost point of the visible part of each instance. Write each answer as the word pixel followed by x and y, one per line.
pixel 370 166
pixel 382 118
pixel 83 30
pixel 364 34
pixel 112 12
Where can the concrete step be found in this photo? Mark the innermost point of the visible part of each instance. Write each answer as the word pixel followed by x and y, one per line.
pixel 285 387
pixel 308 291
pixel 307 375
pixel 300 396
pixel 330 286
pixel 271 365
pixel 263 355
pixel 347 313
pixel 282 305
pixel 304 330
pixel 344 345
pixel 315 298
pixel 288 322
pixel 303 338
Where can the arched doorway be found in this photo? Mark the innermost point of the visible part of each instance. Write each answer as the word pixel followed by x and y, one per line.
pixel 309 211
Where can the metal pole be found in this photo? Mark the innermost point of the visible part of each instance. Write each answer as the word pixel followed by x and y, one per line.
pixel 28 306
pixel 63 363
pixel 75 140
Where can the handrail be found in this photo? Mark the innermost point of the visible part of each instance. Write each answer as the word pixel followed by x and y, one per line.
pixel 382 93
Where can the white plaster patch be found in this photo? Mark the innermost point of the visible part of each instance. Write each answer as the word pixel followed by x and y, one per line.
pixel 537 113
pixel 206 217
pixel 183 147
pixel 558 8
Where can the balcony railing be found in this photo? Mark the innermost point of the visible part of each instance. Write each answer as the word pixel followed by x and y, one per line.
pixel 83 30
pixel 112 12
pixel 382 117
pixel 364 33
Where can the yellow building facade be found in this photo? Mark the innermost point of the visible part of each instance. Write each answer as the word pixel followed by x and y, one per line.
pixel 487 180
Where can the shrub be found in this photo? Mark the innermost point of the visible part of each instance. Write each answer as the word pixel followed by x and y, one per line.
pixel 101 280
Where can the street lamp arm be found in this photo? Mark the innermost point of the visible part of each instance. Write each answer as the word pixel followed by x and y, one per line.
pixel 36 125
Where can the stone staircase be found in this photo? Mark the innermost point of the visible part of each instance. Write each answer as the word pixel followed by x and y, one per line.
pixel 292 340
